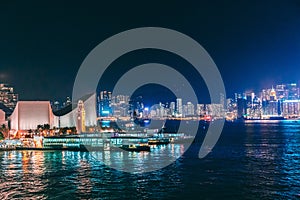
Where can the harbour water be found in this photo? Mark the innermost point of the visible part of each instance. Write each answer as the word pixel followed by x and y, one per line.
pixel 250 161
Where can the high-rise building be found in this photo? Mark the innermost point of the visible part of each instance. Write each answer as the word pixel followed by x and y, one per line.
pixel 249 98
pixel 281 91
pixel 7 96
pixel 104 104
pixel 273 96
pixel 291 108
pixel 161 110
pixel 222 100
pixel 201 110
pixel 172 108
pixel 235 97
pixel 122 99
pixel 120 105
pixel 136 107
pixel 241 107
pixel 190 109
pixel 179 106
pixel 292 91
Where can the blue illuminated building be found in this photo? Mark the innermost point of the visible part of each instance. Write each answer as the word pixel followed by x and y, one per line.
pixel 104 104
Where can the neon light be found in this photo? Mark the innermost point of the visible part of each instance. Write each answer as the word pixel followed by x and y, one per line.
pixel 291 101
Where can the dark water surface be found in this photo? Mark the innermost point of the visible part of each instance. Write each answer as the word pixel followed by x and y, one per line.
pixel 252 161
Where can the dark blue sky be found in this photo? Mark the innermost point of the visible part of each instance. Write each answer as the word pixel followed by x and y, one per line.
pixel 42 45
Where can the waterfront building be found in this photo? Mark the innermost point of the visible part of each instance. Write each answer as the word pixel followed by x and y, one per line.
pixel 291 108
pixel 135 107
pixel 201 110
pixel 231 105
pixel 93 141
pixel 281 91
pixel 120 99
pixel 222 100
pixel 190 109
pixel 29 114
pixel 184 110
pixel 292 91
pixel 172 108
pixel 67 116
pixel 273 96
pixel 120 106
pixel 215 110
pixel 161 110
pixel 153 113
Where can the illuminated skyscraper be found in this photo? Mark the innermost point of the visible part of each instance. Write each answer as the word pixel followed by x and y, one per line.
pixel 136 107
pixel 273 96
pixel 281 91
pixel 241 107
pixel 179 106
pixel 190 109
pixel 104 104
pixel 222 100
pixel 201 110
pixel 7 96
pixel 172 108
pixel 293 91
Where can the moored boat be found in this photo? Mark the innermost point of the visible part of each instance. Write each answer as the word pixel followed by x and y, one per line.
pixel 158 141
pixel 135 147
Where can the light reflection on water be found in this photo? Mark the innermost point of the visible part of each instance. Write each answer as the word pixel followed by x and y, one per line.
pixel 140 162
pixel 249 162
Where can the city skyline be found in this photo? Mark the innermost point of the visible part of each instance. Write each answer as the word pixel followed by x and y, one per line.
pixel 150 99
pixel 9 98
pixel 43 48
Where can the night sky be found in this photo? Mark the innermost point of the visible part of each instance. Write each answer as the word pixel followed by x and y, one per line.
pixel 254 43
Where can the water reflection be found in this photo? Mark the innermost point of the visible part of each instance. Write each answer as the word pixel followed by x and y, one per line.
pixel 21 173
pixel 270 150
pixel 138 162
pixel 249 161
pixel 57 174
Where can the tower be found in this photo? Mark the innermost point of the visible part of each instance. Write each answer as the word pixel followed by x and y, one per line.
pixel 273 95
pixel 179 106
pixel 80 125
pixel 242 107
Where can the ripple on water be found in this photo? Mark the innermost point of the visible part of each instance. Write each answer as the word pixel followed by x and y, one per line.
pixel 248 162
